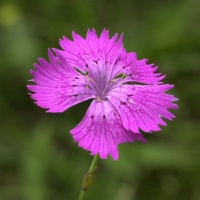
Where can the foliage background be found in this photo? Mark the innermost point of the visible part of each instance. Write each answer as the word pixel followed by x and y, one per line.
pixel 38 159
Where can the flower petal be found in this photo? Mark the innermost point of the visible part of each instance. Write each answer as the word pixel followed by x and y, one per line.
pixel 101 130
pixel 81 51
pixel 59 86
pixel 141 106
pixel 138 70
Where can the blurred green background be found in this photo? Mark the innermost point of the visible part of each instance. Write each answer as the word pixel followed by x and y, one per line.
pixel 38 158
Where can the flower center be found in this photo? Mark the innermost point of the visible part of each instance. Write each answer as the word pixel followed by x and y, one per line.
pixel 102 78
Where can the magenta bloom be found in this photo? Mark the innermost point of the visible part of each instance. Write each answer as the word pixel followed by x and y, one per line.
pixel 101 69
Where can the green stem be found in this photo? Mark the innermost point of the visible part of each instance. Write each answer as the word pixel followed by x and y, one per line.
pixel 89 177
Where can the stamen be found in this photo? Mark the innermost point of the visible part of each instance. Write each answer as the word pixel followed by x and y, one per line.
pixel 131 100
pixel 87 87
pixel 89 79
pixel 99 99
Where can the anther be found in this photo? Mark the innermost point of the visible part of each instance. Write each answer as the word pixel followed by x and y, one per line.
pixel 99 99
pixel 89 79
pixel 87 87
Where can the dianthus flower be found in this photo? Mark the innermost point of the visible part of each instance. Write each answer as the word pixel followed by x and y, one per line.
pixel 127 93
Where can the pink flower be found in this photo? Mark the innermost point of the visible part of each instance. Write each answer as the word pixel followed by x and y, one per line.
pixel 101 69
